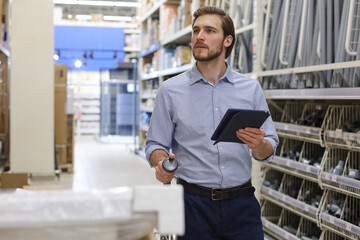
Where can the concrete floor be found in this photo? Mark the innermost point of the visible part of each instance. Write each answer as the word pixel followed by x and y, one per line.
pixel 100 165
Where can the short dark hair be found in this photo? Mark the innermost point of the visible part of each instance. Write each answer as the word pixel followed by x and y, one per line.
pixel 226 22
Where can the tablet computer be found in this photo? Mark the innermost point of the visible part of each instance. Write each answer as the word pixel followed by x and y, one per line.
pixel 235 119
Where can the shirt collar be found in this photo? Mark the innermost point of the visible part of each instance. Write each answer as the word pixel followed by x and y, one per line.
pixel 196 76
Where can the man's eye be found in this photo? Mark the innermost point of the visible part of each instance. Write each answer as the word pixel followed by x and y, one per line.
pixel 210 30
pixel 195 31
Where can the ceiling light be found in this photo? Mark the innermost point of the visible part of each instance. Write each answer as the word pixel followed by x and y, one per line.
pixel 117 18
pixel 56 57
pixel 78 63
pixel 98 3
pixel 83 17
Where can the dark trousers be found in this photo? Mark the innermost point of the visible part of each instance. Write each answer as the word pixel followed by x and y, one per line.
pixel 234 219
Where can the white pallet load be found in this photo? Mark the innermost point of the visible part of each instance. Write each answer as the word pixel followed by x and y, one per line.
pixel 122 213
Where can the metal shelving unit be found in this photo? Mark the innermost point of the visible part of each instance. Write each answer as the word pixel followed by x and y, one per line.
pixel 312 63
pixel 149 81
pixel 296 50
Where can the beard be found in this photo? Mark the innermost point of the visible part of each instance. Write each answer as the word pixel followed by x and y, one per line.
pixel 211 54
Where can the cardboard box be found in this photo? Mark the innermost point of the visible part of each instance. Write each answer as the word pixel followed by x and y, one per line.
pixel 182 55
pixel 61 154
pixel 167 13
pixel 13 180
pixel 60 115
pixel 61 74
pixel 70 138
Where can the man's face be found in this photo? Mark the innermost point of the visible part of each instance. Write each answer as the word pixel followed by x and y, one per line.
pixel 208 38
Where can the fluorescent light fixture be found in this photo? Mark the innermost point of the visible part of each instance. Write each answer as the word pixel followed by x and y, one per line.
pixel 117 18
pixel 98 3
pixel 78 63
pixel 83 17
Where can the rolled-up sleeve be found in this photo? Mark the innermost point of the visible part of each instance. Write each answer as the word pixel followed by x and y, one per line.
pixel 161 129
pixel 268 126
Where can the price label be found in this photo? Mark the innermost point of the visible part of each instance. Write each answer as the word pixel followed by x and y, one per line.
pixel 333 178
pixel 283 198
pixel 338 133
pixel 288 163
pixel 307 208
pixel 348 227
pixel 307 130
pixel 308 168
pixel 351 136
pixel 286 127
pixel 332 220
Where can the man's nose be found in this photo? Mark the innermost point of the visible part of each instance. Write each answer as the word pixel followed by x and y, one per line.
pixel 200 35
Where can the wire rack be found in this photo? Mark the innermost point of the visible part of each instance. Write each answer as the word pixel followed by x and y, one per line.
pixel 312 154
pixel 270 211
pixel 289 221
pixel 327 235
pixel 339 171
pixel 310 193
pixel 291 186
pixel 308 229
pixel 339 214
pixel 291 149
pixel 342 127
pixel 272 178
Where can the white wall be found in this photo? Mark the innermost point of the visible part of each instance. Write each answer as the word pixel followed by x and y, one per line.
pixel 31 38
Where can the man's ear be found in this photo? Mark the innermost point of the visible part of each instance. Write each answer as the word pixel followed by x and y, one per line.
pixel 228 40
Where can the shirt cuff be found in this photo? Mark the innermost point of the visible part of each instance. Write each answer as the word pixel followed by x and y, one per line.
pixel 151 149
pixel 273 144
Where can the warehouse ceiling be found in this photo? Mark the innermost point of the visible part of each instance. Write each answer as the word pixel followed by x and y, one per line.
pixel 105 7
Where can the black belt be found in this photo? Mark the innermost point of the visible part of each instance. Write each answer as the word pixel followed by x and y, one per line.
pixel 217 194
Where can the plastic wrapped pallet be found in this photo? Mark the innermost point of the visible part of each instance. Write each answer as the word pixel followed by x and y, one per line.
pixel 106 214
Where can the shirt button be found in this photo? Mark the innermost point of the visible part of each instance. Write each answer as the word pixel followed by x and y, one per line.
pixel 222 167
pixel 220 148
pixel 216 109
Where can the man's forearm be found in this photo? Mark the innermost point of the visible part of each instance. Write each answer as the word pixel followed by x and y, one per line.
pixel 157 156
pixel 263 150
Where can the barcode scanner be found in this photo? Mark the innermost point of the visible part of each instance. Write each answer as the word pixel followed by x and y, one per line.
pixel 170 164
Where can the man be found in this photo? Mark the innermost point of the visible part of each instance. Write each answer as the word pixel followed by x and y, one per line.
pixel 219 199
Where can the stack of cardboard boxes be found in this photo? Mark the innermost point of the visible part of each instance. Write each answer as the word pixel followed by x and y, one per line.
pixel 64 130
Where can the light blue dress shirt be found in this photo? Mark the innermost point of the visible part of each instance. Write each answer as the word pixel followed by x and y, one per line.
pixel 188 109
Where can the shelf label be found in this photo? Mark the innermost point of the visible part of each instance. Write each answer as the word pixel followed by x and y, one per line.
pixel 348 227
pixel 306 208
pixel 338 133
pixel 333 178
pixel 331 220
pixel 288 163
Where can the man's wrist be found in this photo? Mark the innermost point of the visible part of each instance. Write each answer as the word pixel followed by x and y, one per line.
pixel 263 150
pixel 157 156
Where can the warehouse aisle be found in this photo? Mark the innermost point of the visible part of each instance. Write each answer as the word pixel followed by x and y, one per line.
pixel 100 166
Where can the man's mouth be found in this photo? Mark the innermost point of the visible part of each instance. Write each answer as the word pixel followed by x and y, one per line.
pixel 200 46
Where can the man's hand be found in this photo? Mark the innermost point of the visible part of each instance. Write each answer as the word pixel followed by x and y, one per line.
pixel 254 138
pixel 251 136
pixel 162 175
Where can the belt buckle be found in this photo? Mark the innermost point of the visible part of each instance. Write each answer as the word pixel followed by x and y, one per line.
pixel 213 194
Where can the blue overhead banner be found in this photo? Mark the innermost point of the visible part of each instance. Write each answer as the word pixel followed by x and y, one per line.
pixel 95 47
